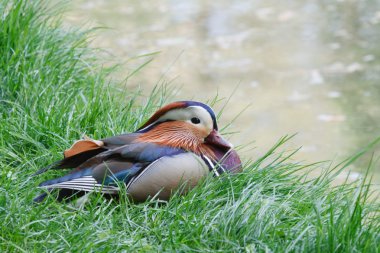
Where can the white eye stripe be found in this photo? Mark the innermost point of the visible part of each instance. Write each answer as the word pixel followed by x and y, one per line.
pixel 186 114
pixel 212 166
pixel 200 107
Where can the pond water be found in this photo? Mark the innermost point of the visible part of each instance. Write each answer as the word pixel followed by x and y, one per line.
pixel 306 67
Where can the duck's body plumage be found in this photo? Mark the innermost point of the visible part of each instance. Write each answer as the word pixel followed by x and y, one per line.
pixel 178 145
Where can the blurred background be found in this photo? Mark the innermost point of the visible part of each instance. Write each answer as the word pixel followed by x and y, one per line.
pixel 307 67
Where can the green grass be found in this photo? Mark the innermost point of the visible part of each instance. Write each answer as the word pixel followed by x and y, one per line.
pixel 52 91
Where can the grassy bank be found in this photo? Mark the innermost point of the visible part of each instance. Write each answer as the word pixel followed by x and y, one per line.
pixel 52 91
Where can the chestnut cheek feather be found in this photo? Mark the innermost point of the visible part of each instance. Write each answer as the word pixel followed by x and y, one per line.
pixel 178 135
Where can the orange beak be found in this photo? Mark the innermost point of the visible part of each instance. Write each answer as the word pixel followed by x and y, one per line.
pixel 214 138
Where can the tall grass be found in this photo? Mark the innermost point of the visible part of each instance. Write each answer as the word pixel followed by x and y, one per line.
pixel 52 92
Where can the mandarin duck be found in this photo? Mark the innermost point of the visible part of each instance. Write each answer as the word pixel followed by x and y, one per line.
pixel 179 144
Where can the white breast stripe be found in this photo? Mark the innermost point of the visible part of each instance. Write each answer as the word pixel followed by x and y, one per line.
pixel 220 167
pixel 208 161
pixel 212 166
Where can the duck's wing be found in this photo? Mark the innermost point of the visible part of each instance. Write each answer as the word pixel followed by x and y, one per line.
pixel 82 150
pixel 105 171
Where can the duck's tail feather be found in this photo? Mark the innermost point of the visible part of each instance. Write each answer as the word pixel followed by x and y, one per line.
pixel 61 195
pixel 40 197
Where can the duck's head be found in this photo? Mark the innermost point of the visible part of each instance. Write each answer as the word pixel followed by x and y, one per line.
pixel 185 124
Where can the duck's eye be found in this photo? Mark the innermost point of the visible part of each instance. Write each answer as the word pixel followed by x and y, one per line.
pixel 195 120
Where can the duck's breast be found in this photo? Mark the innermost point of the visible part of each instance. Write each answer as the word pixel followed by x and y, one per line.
pixel 167 174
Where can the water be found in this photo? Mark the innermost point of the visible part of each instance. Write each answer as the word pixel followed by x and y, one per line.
pixel 306 67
